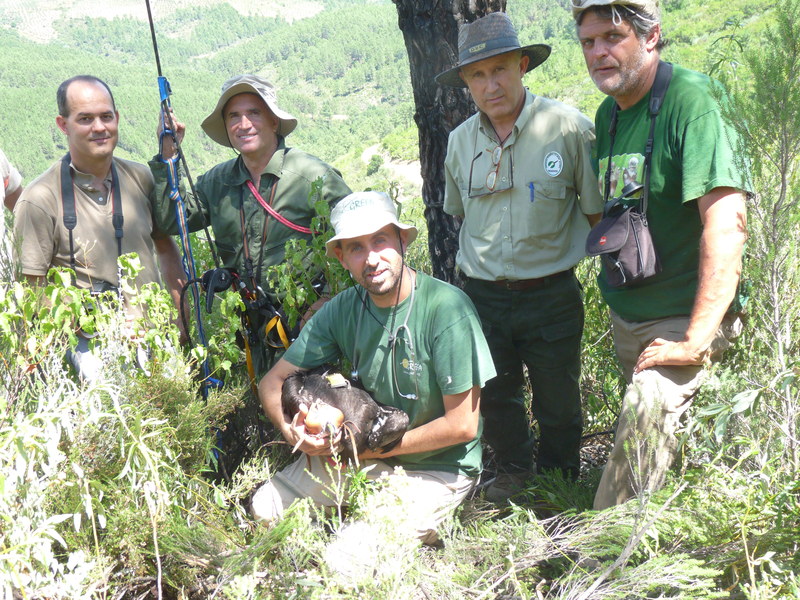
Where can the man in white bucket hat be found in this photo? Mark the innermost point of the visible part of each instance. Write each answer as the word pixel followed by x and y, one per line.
pixel 234 196
pixel 667 327
pixel 415 343
pixel 519 172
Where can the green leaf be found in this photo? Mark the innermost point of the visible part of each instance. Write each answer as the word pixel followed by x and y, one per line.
pixel 744 401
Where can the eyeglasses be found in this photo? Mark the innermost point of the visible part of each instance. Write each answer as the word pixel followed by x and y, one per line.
pixel 408 360
pixel 491 178
pixel 491 183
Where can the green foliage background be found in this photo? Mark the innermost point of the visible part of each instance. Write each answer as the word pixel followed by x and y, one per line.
pixel 342 72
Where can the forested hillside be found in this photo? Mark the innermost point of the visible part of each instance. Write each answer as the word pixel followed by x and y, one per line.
pixel 345 84
pixel 342 71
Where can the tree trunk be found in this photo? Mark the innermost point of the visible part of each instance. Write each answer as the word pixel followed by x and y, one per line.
pixel 430 30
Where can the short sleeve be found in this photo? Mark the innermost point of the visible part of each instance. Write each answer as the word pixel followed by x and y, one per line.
pixel 710 157
pixel 34 231
pixel 453 204
pixel 461 356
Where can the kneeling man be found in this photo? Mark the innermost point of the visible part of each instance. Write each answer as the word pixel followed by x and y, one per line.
pixel 415 343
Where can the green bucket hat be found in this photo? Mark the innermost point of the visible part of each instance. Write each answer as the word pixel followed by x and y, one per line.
pixel 214 124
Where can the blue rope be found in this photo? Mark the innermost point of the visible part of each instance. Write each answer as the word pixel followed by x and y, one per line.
pixel 183 232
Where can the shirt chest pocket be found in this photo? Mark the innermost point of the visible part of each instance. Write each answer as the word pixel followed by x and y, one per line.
pixel 550 210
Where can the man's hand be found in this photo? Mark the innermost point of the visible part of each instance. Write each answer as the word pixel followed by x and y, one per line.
pixel 663 352
pixel 168 149
pixel 297 436
pixel 724 218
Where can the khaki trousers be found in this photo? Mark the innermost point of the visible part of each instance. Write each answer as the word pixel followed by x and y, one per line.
pixel 424 498
pixel 645 444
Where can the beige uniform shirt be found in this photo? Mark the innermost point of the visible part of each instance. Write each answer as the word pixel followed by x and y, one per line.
pixel 534 223
pixel 44 241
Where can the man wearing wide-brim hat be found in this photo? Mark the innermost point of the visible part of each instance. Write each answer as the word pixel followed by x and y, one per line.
pixel 519 172
pixel 232 196
pixel 415 343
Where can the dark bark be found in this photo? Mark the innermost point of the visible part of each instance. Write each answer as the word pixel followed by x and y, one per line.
pixel 430 30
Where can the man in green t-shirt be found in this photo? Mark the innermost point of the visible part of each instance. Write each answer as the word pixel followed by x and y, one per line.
pixel 671 324
pixel 416 344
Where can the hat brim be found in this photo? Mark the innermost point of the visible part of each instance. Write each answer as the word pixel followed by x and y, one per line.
pixel 537 53
pixel 359 229
pixel 214 124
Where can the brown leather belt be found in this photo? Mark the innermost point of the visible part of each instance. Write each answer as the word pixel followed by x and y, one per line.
pixel 526 284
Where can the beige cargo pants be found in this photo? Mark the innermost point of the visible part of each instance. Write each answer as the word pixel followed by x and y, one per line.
pixel 645 444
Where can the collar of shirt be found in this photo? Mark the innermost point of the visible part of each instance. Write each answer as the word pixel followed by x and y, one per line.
pixel 85 182
pixel 239 174
pixel 485 126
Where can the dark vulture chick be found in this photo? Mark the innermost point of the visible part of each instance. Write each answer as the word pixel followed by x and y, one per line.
pixel 363 422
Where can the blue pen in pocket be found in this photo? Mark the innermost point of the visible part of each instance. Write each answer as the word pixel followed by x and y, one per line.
pixel 533 195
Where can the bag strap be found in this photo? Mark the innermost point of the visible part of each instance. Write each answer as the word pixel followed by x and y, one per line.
pixel 68 208
pixel 657 93
pixel 250 270
pixel 272 212
pixel 659 90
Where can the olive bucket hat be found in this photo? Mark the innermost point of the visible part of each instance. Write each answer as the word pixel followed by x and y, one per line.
pixel 363 213
pixel 649 6
pixel 214 124
pixel 486 37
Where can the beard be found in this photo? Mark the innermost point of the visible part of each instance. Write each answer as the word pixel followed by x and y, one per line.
pixel 388 283
pixel 627 77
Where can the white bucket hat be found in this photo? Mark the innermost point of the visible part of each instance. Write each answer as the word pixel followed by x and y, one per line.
pixel 363 213
pixel 214 124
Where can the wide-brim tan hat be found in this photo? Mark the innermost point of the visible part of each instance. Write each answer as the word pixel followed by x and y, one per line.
pixel 363 213
pixel 214 124
pixel 486 37
pixel 651 7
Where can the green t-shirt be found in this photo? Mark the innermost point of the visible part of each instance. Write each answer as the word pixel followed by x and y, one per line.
pixel 441 350
pixel 694 151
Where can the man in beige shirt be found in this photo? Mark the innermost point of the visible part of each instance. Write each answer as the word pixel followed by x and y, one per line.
pixel 519 172
pixel 111 200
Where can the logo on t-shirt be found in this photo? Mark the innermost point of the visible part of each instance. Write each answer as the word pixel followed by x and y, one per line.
pixel 553 163
pixel 626 169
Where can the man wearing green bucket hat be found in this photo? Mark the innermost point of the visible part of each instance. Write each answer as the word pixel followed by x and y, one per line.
pixel 256 202
pixel 416 344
